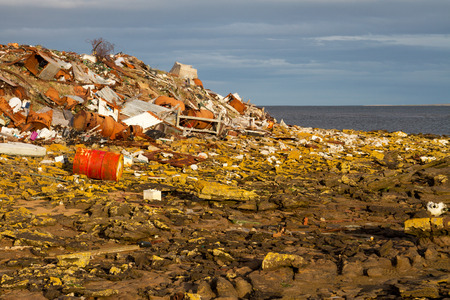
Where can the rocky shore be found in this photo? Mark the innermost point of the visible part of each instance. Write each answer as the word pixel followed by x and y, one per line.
pixel 285 212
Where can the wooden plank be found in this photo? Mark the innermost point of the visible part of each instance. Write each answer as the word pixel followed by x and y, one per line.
pixel 200 119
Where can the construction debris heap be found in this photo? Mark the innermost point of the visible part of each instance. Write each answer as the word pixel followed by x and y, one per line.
pixel 116 97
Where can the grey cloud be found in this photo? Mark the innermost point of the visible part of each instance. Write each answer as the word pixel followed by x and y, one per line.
pixel 294 47
pixel 424 40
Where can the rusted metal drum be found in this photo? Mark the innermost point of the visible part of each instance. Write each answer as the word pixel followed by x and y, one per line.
pixel 82 120
pixel 107 126
pixel 202 113
pixel 97 164
pixel 168 101
pixel 110 128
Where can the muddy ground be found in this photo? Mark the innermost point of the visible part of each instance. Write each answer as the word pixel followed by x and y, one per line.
pixel 297 213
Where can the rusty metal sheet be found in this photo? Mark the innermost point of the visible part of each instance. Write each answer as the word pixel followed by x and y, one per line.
pixel 42 66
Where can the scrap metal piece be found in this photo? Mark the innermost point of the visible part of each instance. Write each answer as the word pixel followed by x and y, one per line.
pixel 17 118
pixel 39 120
pixel 53 94
pixel 16 89
pixel 236 103
pixel 42 65
pixel 109 95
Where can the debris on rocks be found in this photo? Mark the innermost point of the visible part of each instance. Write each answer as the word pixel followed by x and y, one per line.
pixel 436 209
pixel 122 181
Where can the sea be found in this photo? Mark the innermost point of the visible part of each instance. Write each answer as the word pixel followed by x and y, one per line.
pixel 433 119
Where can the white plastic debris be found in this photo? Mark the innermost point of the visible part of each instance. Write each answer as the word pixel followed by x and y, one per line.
pixel 152 194
pixel 203 155
pixel 45 133
pixel 316 138
pixel 46 162
pixel 141 158
pixel 16 104
pixel 166 155
pixel 427 159
pixel 436 209
pixel 145 120
pixel 119 61
pixel 127 161
pixel 61 159
pixel 91 58
pixel 13 132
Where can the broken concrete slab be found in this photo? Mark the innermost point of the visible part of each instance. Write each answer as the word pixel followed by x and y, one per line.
pixel 183 71
pixel 22 149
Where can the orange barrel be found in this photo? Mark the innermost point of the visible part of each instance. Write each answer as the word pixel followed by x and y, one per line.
pixel 238 105
pixel 202 113
pixel 169 101
pixel 98 164
pixel 107 126
pixel 83 120
pixel 198 82
pixel 112 129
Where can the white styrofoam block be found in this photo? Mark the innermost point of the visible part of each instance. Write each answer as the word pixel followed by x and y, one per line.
pixel 152 195
pixel 60 158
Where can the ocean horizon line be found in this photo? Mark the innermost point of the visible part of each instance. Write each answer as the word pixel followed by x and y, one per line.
pixel 365 105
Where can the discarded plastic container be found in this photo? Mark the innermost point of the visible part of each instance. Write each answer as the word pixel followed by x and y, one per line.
pixel 16 104
pixel 98 164
pixel 34 135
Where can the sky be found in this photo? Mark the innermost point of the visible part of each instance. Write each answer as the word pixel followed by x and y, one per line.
pixel 270 52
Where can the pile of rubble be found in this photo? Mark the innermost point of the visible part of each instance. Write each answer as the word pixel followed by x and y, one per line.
pixel 44 94
pixel 202 196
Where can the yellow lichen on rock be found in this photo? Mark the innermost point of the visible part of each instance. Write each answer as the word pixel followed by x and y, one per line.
pixel 80 259
pixel 426 224
pixel 276 260
pixel 217 191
